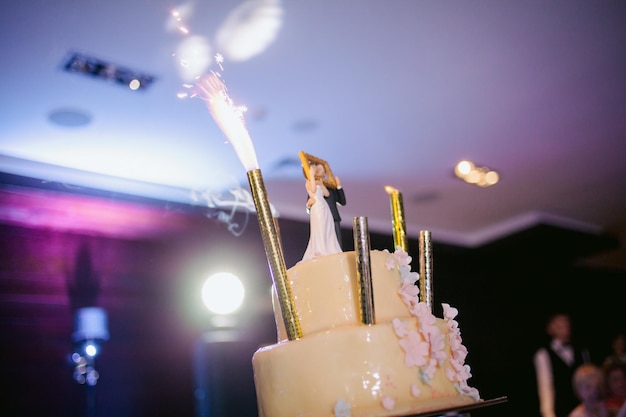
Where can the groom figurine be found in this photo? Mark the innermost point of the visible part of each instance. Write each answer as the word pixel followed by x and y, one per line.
pixel 335 196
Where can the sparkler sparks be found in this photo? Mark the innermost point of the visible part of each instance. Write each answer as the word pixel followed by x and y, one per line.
pixel 228 117
pixel 230 120
pixel 177 21
pixel 219 60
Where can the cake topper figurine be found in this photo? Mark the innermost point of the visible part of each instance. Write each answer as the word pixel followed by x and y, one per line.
pixel 322 237
pixel 335 196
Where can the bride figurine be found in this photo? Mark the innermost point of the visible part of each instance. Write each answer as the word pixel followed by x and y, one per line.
pixel 322 238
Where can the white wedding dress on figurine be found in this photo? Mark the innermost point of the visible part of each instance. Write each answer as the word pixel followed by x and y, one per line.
pixel 322 239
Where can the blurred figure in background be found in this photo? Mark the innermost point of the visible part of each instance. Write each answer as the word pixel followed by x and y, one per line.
pixel 618 350
pixel 555 364
pixel 615 379
pixel 588 381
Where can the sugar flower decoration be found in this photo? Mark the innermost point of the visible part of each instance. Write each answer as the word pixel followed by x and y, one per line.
pixel 402 257
pixel 416 350
pixel 389 403
pixel 400 327
pixel 425 347
pixel 409 292
pixel 428 322
pixel 457 371
pixel 465 389
pixel 428 371
pixel 449 313
pixel 437 345
pixel 342 408
pixel 402 261
pixel 390 262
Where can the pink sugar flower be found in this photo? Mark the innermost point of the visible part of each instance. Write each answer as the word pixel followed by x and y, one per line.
pixel 427 320
pixel 462 372
pixel 409 291
pixel 400 327
pixel 415 348
pixel 402 257
pixel 342 408
pixel 469 391
pixel 449 312
pixel 437 345
pixel 450 373
pixel 389 403
pixel 453 325
pixel 390 263
pixel 460 353
pixel 455 340
pixel 428 372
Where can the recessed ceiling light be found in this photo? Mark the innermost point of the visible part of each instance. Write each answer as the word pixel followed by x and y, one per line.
pixel 305 125
pixel 80 63
pixel 425 197
pixel 69 117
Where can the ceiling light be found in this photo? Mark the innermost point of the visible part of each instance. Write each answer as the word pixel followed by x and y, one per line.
pixel 134 84
pixel 98 68
pixel 492 177
pixel 463 168
pixel 478 175
pixel 69 117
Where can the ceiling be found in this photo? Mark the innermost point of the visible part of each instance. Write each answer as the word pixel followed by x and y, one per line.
pixel 391 92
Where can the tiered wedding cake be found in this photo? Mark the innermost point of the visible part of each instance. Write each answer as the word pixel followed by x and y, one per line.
pixel 406 363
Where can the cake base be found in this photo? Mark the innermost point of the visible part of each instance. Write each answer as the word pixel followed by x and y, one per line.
pixel 361 367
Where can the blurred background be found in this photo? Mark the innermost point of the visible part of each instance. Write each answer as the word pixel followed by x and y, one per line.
pixel 120 196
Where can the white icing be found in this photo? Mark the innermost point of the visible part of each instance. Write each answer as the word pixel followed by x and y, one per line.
pixel 408 362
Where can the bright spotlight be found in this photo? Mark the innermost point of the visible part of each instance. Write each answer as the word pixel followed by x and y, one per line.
pixel 91 349
pixel 223 293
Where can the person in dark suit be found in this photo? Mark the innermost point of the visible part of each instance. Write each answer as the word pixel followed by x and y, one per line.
pixel 336 196
pixel 555 364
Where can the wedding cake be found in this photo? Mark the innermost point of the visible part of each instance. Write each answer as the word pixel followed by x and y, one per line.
pixel 408 362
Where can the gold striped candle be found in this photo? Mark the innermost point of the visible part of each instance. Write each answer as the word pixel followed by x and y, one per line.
pixel 397 219
pixel 426 268
pixel 364 270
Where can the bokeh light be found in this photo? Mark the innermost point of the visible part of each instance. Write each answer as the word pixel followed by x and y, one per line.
pixel 249 29
pixel 194 57
pixel 223 293
pixel 91 349
pixel 477 175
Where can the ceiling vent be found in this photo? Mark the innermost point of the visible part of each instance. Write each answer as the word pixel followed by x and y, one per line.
pixel 83 64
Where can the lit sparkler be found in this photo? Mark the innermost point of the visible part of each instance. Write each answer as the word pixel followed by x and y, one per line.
pixel 230 120
pixel 400 239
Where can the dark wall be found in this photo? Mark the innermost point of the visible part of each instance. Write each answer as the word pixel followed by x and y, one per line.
pixel 148 287
pixel 150 292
